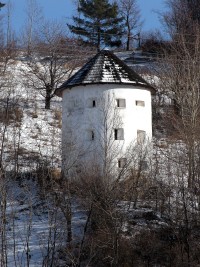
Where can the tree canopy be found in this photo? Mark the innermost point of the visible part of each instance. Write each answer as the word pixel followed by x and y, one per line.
pixel 1 5
pixel 98 23
pixel 182 17
pixel 130 11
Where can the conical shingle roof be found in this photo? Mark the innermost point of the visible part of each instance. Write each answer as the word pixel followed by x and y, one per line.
pixel 104 68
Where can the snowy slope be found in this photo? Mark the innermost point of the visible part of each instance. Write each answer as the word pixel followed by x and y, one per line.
pixel 34 135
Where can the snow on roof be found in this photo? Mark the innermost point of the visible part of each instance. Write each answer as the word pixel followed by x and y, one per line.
pixel 104 67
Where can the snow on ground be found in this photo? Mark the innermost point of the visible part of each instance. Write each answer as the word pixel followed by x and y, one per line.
pixel 34 131
pixel 33 224
pixel 36 228
pixel 28 227
pixel 30 136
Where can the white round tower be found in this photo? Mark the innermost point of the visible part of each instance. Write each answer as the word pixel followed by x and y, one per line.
pixel 106 110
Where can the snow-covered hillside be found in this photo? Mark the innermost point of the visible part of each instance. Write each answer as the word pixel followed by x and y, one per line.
pixel 30 132
pixel 150 219
pixel 30 137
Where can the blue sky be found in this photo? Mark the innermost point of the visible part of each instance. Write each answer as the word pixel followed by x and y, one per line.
pixel 61 9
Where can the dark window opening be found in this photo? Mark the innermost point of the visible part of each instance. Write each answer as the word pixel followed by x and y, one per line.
pixel 140 103
pixel 121 103
pixel 119 134
pixel 92 135
pixel 93 103
pixel 115 134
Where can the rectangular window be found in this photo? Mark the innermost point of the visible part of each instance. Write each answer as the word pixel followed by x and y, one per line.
pixel 140 103
pixel 121 103
pixel 92 102
pixel 92 135
pixel 122 163
pixel 119 134
pixel 141 136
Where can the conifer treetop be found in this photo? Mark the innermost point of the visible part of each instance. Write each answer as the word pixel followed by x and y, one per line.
pixel 98 23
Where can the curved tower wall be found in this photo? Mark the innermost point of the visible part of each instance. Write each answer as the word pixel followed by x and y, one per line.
pixel 99 115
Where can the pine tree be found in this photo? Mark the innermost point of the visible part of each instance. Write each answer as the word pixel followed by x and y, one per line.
pixel 1 5
pixel 98 24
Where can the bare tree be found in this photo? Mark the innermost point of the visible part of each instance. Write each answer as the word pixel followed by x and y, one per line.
pixel 131 13
pixel 92 172
pixel 33 19
pixel 181 156
pixel 179 80
pixel 10 38
pixel 52 60
pixel 182 17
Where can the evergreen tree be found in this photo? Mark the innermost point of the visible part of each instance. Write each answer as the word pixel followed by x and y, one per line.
pixel 98 23
pixel 1 5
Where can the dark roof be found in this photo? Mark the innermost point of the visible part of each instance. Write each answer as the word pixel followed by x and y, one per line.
pixel 104 67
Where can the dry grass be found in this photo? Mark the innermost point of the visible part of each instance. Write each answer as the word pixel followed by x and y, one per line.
pixel 11 114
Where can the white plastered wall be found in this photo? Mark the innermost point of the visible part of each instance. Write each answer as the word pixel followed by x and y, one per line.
pixel 80 117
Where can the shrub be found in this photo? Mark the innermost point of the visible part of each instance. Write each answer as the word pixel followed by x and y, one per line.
pixel 11 114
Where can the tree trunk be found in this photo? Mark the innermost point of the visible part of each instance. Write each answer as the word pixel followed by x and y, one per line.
pixel 128 36
pixel 47 103
pixel 99 41
pixel 69 222
pixel 191 166
pixel 48 97
pixel 128 42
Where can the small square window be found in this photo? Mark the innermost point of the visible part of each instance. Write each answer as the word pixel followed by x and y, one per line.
pixel 140 103
pixel 121 103
pixel 90 135
pixel 141 136
pixel 122 163
pixel 119 134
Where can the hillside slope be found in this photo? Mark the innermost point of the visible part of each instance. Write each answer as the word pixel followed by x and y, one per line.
pixel 28 132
